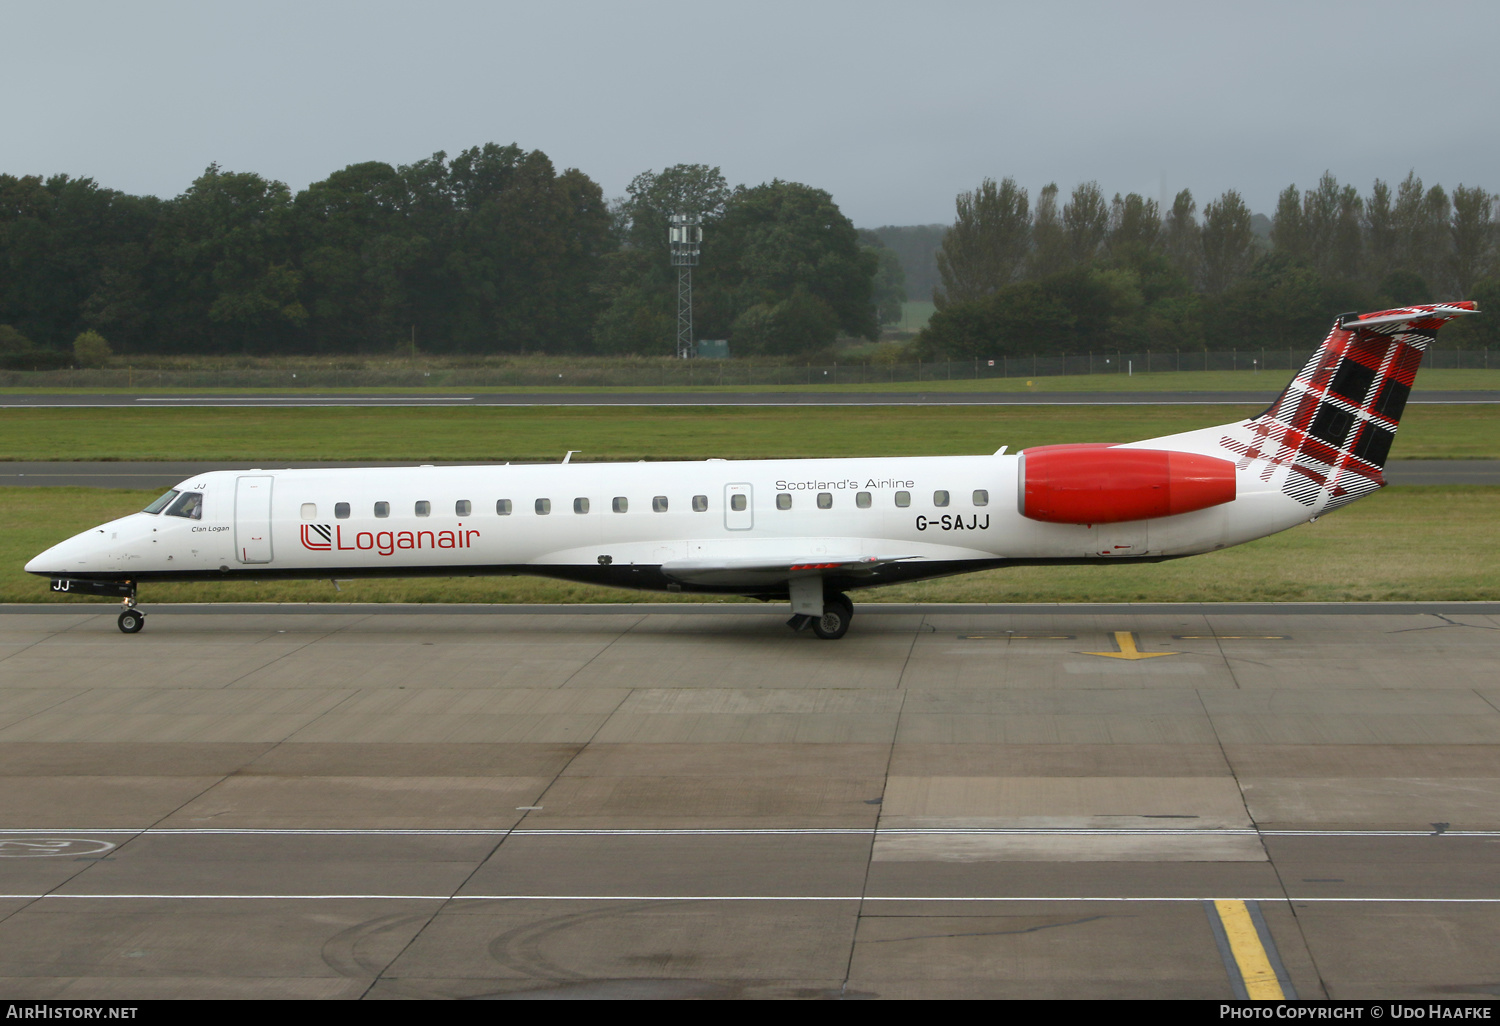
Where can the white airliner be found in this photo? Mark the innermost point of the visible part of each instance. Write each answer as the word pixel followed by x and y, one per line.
pixel 800 530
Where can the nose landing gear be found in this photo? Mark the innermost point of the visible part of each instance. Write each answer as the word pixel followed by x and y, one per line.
pixel 131 619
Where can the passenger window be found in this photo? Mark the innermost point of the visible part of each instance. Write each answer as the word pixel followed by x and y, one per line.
pixel 502 507
pixel 700 503
pixel 903 499
pixel 423 508
pixel 736 503
pixel 659 504
pixel 862 500
pixel 825 500
pixel 309 511
pixel 341 510
pixel 161 503
pixel 462 507
pixel 783 500
pixel 940 498
pixel 981 497
pixel 621 504
pixel 543 507
pixel 382 509
pixel 580 505
pixel 189 505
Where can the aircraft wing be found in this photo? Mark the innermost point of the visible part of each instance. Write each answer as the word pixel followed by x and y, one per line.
pixel 756 570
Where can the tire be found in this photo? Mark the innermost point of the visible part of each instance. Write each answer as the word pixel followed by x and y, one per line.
pixel 131 621
pixel 834 623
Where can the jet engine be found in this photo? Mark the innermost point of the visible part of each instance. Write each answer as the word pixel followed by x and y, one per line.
pixel 1104 484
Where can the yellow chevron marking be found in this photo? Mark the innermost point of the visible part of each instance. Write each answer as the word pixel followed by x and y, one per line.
pixel 1126 641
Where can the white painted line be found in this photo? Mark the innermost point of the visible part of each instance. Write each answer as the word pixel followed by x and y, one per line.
pixel 737 832
pixel 304 399
pixel 731 897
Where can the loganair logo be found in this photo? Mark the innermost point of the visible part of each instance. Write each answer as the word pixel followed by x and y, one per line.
pixel 318 537
pixel 330 538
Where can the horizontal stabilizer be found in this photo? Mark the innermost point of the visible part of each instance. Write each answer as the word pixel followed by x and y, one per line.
pixel 1437 313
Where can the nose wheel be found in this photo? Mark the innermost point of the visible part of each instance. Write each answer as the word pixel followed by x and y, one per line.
pixel 131 619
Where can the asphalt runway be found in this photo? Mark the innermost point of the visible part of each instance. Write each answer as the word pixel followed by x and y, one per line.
pixel 935 398
pixel 165 474
pixel 690 801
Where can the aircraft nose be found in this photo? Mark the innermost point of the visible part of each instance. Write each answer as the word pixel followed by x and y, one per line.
pixel 59 558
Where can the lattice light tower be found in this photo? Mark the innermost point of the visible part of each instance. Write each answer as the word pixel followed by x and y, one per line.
pixel 686 235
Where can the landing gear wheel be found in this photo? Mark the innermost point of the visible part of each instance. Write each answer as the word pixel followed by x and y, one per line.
pixel 834 623
pixel 132 620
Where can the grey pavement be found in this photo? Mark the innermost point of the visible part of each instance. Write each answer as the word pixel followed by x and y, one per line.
pixel 458 397
pixel 659 800
pixel 164 474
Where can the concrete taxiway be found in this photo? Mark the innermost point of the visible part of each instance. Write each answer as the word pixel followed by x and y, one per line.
pixel 690 801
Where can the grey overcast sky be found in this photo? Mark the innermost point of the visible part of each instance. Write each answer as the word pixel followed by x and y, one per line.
pixel 892 107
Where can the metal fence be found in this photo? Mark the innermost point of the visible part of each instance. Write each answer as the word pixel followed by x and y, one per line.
pixel 586 373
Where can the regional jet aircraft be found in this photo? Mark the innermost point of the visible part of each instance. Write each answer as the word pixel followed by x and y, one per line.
pixel 804 531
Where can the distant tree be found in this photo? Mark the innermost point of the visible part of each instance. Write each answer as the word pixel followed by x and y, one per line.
pixel 1086 222
pixel 66 246
pixel 1084 308
pixel 1473 233
pixel 889 283
pixel 784 242
pixel 987 244
pixel 1180 236
pixel 1134 229
pixel 1348 236
pixel 91 349
pixel 800 324
pixel 917 245
pixel 1423 238
pixel 528 246
pixel 1049 250
pixel 1228 243
pixel 1379 232
pixel 654 196
pixel 13 343
pixel 637 286
pixel 229 262
pixel 1320 219
pixel 1289 231
pixel 1403 288
pixel 637 310
pixel 360 258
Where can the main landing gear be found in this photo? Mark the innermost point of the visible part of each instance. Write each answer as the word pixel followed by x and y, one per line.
pixel 131 619
pixel 833 624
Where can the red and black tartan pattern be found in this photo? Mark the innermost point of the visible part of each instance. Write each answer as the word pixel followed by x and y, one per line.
pixel 1335 423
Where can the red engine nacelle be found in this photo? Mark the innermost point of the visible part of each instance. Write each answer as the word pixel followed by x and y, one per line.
pixel 1102 484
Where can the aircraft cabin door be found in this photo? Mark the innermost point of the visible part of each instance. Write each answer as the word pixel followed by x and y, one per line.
pixel 252 519
pixel 739 507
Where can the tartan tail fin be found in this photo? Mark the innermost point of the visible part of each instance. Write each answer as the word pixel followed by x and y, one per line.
pixel 1335 422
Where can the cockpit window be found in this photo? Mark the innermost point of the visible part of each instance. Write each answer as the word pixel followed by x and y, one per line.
pixel 189 505
pixel 161 503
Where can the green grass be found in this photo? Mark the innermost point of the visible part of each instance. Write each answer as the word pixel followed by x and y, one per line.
pixel 631 433
pixel 1432 543
pixel 1157 381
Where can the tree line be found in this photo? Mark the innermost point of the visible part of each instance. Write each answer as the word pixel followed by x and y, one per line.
pixel 1087 273
pixel 491 251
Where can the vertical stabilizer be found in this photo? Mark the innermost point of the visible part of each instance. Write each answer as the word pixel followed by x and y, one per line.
pixel 1334 424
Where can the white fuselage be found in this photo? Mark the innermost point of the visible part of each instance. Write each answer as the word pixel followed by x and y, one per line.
pixel 604 520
